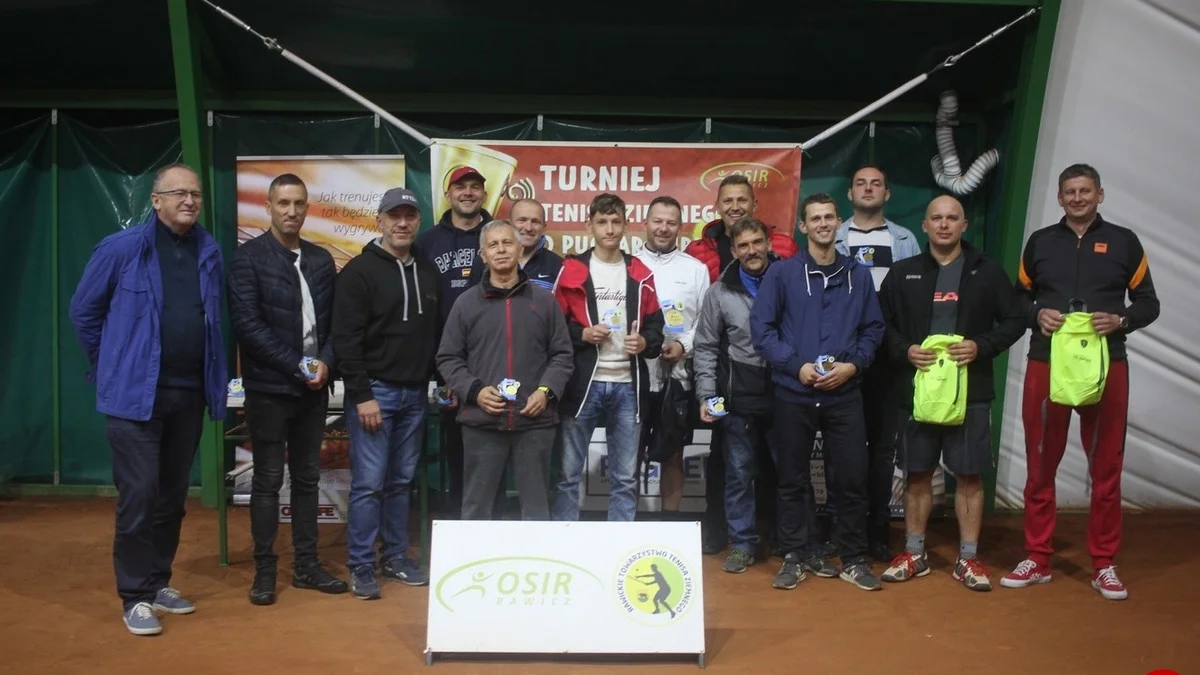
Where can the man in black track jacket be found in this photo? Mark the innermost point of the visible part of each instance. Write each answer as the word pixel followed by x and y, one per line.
pixel 506 354
pixel 950 289
pixel 281 308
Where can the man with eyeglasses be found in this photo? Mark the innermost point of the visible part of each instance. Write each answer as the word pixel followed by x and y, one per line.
pixel 148 314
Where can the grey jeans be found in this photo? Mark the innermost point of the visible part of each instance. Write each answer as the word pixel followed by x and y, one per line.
pixel 485 455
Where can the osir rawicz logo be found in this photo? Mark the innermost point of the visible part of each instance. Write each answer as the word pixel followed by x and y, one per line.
pixel 655 586
pixel 517 582
pixel 757 173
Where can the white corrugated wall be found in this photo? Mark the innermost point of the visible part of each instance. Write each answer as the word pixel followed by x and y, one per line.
pixel 1124 96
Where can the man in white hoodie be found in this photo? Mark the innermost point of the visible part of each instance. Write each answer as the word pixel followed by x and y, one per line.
pixel 681 281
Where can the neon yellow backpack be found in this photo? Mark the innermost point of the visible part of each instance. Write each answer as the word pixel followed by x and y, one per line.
pixel 1078 362
pixel 940 393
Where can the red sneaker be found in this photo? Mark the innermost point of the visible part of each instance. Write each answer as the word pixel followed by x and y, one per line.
pixel 1026 573
pixel 1109 585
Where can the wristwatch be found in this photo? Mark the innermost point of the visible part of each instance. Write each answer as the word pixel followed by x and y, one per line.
pixel 546 390
pixel 1123 324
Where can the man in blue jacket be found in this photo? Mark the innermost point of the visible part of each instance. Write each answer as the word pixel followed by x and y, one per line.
pixel 148 314
pixel 816 321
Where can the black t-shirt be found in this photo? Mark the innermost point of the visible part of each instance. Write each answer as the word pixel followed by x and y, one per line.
pixel 724 248
pixel 945 299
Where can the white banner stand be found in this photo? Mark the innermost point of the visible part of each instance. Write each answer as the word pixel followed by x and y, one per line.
pixel 526 587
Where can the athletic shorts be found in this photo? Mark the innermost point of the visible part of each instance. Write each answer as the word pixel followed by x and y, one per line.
pixel 966 449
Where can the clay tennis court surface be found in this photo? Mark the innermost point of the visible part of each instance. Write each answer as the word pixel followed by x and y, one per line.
pixel 60 613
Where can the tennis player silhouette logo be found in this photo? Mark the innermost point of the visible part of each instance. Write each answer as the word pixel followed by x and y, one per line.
pixel 655 586
pixel 664 590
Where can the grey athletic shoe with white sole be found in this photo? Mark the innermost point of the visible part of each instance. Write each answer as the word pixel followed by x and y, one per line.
pixel 170 601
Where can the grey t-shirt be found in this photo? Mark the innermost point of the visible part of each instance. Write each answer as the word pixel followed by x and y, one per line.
pixel 945 299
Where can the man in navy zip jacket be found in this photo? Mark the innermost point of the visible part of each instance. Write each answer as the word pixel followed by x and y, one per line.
pixel 452 246
pixel 148 314
pixel 816 321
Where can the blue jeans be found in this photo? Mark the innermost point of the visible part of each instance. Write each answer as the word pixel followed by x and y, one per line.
pixel 618 402
pixel 741 438
pixel 382 466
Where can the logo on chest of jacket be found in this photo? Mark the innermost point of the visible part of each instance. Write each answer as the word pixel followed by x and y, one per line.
pixel 1100 247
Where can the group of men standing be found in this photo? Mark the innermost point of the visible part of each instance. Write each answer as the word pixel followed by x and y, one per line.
pixel 766 343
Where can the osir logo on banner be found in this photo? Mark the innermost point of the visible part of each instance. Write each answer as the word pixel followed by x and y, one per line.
pixel 518 582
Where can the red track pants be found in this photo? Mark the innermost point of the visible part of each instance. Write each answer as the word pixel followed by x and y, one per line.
pixel 1102 431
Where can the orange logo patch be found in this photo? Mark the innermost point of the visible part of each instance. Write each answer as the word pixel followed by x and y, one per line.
pixel 1100 247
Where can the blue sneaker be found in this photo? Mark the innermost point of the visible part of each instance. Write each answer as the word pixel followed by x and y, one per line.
pixel 363 583
pixel 170 601
pixel 140 620
pixel 405 571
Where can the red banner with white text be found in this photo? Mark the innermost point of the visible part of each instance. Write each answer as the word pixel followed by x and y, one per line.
pixel 565 177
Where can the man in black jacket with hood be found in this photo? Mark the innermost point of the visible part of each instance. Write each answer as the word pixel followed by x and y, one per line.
pixel 385 331
pixel 950 289
pixel 281 308
pixel 452 246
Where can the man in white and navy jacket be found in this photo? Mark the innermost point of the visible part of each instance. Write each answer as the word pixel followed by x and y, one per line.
pixel 681 281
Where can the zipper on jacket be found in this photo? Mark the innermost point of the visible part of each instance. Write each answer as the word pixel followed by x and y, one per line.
pixel 509 331
pixel 637 371
pixel 587 314
pixel 1078 256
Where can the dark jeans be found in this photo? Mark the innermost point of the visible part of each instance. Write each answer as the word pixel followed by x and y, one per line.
pixel 486 454
pixel 151 463
pixel 747 444
pixel 288 427
pixel 845 445
pixel 882 420
pixel 714 484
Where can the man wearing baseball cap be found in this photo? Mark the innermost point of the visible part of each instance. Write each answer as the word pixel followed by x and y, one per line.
pixel 452 246
pixel 385 327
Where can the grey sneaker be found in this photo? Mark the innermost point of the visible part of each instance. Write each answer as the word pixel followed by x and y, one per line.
pixel 170 601
pixel 819 566
pixel 363 583
pixel 790 574
pixel 140 620
pixel 405 571
pixel 860 575
pixel 738 561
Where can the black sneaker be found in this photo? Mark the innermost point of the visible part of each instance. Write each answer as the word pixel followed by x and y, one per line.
pixel 405 571
pixel 881 552
pixel 712 540
pixel 738 561
pixel 820 566
pixel 314 577
pixel 860 575
pixel 263 590
pixel 790 574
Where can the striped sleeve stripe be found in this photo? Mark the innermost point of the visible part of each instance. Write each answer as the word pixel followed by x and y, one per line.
pixel 1140 273
pixel 1023 276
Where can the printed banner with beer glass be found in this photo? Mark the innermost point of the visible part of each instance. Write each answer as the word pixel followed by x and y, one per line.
pixel 565 588
pixel 565 177
pixel 343 197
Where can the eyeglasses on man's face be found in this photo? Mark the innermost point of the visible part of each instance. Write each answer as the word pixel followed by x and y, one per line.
pixel 196 195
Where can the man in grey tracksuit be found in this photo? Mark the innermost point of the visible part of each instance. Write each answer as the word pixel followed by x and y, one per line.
pixel 506 354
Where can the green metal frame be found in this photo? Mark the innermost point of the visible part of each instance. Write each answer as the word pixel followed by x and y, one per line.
pixel 189 85
pixel 1027 120
pixel 55 306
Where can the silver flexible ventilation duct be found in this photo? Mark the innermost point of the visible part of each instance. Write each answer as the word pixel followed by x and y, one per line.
pixel 947 171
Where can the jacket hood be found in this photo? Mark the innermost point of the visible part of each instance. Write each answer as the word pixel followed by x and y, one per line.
pixel 575 270
pixel 710 231
pixel 484 219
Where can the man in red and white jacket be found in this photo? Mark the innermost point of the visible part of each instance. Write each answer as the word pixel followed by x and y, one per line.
pixel 615 324
pixel 714 248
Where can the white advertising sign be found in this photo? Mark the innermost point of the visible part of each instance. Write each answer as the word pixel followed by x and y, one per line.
pixel 524 587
